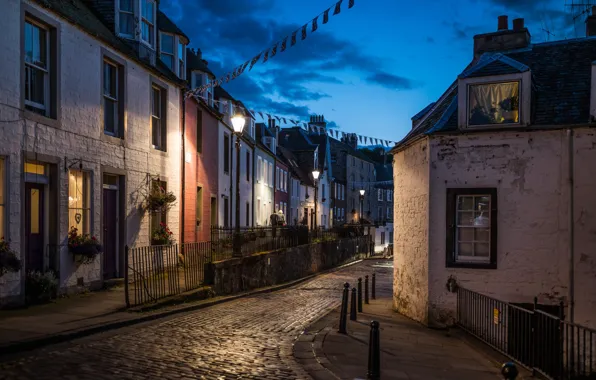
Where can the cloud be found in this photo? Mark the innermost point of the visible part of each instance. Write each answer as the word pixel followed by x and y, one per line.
pixel 390 81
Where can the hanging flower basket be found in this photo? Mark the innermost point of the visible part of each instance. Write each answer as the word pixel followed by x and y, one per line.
pixel 162 235
pixel 159 199
pixel 84 247
pixel 9 262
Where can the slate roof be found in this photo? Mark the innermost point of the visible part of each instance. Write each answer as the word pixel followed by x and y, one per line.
pixel 384 173
pixel 195 62
pixel 293 166
pixel 561 82
pixel 295 139
pixel 168 26
pixel 80 14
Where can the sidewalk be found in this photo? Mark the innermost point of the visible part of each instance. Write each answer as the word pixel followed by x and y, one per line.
pixel 408 349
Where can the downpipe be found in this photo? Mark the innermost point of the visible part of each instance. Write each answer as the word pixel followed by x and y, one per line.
pixel 571 227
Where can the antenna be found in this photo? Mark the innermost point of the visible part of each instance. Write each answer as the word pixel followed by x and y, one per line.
pixel 579 8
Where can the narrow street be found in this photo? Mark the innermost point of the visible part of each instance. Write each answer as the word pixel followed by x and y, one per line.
pixel 247 338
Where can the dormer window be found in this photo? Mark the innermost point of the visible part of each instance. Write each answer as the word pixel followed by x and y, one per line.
pixel 166 53
pixel 197 80
pixel 126 18
pixel 493 103
pixel 148 22
pixel 181 59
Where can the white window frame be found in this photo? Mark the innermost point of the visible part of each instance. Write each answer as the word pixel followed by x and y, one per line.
pixel 389 195
pixel 259 169
pixel 132 14
pixel 174 49
pixel 143 20
pixel 388 217
pixel 45 70
pixel 86 191
pixel 380 195
pixel 110 99
pixel 525 93
pixel 278 178
pixel 159 117
pixel 270 175
pixel 472 259
pixel 181 60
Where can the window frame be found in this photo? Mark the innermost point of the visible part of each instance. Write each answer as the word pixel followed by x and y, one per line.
pixel 120 65
pixel 469 92
pixel 45 107
pixel 162 117
pixel 142 20
pixel 181 60
pixel 451 227
pixel 227 151
pixel 174 49
pixel 117 21
pixel 199 130
pixel 87 194
pixel 248 165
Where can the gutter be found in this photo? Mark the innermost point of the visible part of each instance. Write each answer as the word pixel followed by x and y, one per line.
pixel 183 165
pixel 571 231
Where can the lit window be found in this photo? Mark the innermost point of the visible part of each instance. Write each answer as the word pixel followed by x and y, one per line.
pixel 148 21
pixel 126 18
pixel 79 201
pixel 166 47
pixel 494 103
pixel 37 74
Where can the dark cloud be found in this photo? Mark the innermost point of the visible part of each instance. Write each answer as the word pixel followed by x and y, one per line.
pixel 391 81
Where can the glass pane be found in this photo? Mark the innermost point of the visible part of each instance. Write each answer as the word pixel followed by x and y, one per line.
pixel 482 203
pixel 148 10
pixel 126 5
pixel 482 234
pixel 111 180
pixel 35 84
pixel 110 115
pixel 481 249
pixel 110 78
pixel 34 211
pixel 465 219
pixel 156 132
pixel 465 203
pixel 481 219
pixel 126 23
pixel 181 51
pixel 156 103
pixel 496 103
pixel 35 168
pixel 35 45
pixel 167 43
pixel 168 60
pixel 465 249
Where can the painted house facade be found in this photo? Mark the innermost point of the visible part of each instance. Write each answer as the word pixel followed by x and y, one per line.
pixel 301 190
pixel 500 198
pixel 282 185
pixel 95 122
pixel 264 175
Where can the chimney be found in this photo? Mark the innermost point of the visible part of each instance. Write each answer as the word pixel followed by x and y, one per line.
pixel 591 23
pixel 504 38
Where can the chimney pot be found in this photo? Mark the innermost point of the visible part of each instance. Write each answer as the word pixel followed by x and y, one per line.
pixel 518 24
pixel 503 23
pixel 593 10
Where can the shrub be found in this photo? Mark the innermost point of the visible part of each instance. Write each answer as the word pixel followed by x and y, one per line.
pixel 9 262
pixel 41 287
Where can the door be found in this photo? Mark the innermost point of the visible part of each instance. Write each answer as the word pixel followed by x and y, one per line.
pixel 34 227
pixel 110 233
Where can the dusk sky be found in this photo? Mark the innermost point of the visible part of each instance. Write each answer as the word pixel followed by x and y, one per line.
pixel 370 69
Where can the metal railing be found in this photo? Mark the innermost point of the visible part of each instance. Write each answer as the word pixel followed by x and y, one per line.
pixel 540 341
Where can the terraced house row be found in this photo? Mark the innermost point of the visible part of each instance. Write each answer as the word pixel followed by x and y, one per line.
pixel 97 132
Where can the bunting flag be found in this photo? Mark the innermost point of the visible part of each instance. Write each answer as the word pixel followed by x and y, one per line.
pixel 304 31
pixel 283 45
pixel 337 8
pixel 278 118
pixel 350 4
pixel 314 24
pixel 284 119
pixel 254 60
pixel 360 139
pixel 326 16
pixel 266 58
pixel 293 39
pixel 274 51
pixel 261 114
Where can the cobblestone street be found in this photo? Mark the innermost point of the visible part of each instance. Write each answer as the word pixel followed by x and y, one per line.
pixel 247 338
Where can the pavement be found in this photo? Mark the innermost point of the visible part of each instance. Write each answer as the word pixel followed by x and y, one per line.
pixel 255 337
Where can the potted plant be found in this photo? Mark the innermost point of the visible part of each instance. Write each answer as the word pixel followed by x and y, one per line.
pixel 159 199
pixel 40 287
pixel 510 108
pixel 84 247
pixel 162 235
pixel 9 262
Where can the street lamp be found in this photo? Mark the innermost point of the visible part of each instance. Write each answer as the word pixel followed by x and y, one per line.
pixel 238 122
pixel 361 205
pixel 315 175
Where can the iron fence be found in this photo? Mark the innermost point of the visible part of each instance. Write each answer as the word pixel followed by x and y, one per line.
pixel 540 341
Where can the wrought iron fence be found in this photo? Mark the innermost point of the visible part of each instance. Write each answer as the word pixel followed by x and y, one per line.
pixel 540 341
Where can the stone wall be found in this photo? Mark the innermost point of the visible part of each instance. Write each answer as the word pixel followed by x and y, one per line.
pixel 277 267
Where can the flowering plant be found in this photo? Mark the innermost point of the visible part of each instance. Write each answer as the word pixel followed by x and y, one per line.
pixel 9 262
pixel 162 235
pixel 83 245
pixel 159 199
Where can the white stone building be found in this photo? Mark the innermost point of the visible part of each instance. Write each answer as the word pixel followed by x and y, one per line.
pixel 494 185
pixel 264 179
pixel 89 119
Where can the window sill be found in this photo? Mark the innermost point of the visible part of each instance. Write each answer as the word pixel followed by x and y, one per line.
pixel 112 139
pixel 157 150
pixel 45 120
pixel 494 126
pixel 471 265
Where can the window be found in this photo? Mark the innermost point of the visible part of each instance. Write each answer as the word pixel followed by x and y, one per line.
pixel 126 18
pixel 389 195
pixel 37 68
pixel 148 21
pixel 323 190
pixel 247 214
pixel 472 228
pixel 166 48
pixel 181 60
pixel 248 165
pixel 380 213
pixel 79 201
pixel 2 202
pixel 380 194
pixel 158 217
pixel 113 112
pixel 388 217
pixel 226 212
pixel 199 206
pixel 493 103
pixel 199 131
pixel 259 169
pixel 277 178
pixel 226 153
pixel 270 181
pixel 158 118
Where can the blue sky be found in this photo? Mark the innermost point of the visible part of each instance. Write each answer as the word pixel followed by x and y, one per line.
pixel 371 68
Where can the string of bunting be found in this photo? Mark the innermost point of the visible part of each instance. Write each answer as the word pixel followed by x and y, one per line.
pixel 279 46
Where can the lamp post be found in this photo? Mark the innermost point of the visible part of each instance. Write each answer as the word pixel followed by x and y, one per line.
pixel 315 175
pixel 238 122
pixel 361 205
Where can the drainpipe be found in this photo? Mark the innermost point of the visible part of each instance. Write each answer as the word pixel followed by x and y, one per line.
pixel 571 228
pixel 183 162
pixel 254 181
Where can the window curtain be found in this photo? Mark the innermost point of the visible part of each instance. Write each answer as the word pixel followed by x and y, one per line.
pixel 494 103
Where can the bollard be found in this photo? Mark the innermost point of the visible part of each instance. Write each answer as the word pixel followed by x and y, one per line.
pixel 372 291
pixel 509 371
pixel 343 313
pixel 374 353
pixel 360 295
pixel 353 315
pixel 366 289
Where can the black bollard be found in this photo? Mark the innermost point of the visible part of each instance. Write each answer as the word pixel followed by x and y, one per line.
pixel 366 289
pixel 372 291
pixel 353 315
pixel 374 353
pixel 343 316
pixel 360 295
pixel 509 371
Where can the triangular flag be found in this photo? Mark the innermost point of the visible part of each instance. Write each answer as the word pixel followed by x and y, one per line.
pixel 330 132
pixel 294 38
pixel 274 50
pixel 293 121
pixel 227 78
pixel 337 8
pixel 314 24
pixel 360 138
pixel 283 45
pixel 266 57
pixel 261 114
pixel 343 135
pixel 304 125
pixel 326 16
pixel 278 118
pixel 365 140
pixel 284 119
pixel 350 4
pixel 304 32
pixel 244 66
pixel 254 61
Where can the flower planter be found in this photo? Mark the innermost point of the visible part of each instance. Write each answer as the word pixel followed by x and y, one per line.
pixel 85 253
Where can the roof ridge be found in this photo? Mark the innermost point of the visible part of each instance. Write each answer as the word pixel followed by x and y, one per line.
pixel 437 104
pixel 445 117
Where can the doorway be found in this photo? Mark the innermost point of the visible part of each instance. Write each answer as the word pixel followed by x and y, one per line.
pixel 110 226
pixel 34 227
